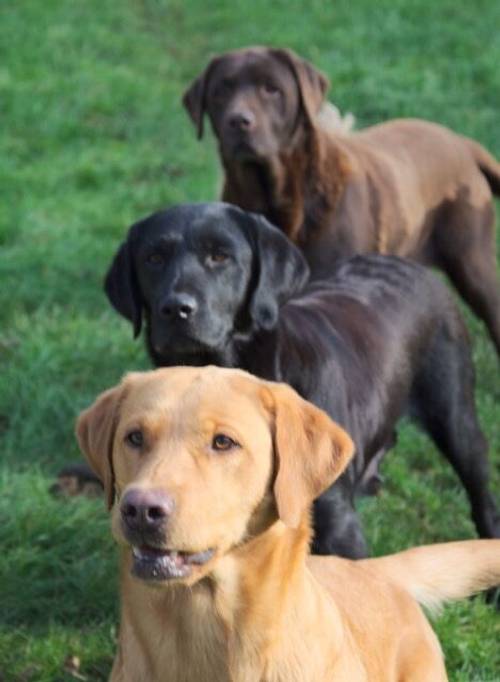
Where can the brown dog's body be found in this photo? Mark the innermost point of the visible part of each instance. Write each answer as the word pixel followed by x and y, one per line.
pixel 210 474
pixel 406 187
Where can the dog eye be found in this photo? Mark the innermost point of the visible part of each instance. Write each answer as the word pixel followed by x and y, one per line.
pixel 222 443
pixel 155 259
pixel 217 257
pixel 223 88
pixel 270 89
pixel 135 438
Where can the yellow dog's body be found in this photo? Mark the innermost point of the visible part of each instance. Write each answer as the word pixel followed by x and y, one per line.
pixel 258 609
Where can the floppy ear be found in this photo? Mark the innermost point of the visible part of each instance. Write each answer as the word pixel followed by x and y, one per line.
pixel 95 429
pixel 312 84
pixel 280 269
pixel 310 449
pixel 122 288
pixel 194 99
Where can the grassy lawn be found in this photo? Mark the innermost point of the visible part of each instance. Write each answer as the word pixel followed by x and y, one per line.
pixel 92 137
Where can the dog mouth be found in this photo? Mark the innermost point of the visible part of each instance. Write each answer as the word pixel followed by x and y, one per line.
pixel 184 348
pixel 182 342
pixel 242 150
pixel 151 563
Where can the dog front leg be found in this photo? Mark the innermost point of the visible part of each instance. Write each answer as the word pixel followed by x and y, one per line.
pixel 337 528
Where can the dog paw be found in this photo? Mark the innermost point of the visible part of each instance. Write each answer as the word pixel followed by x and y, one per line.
pixel 77 479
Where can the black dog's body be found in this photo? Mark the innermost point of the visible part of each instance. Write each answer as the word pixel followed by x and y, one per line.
pixel 378 337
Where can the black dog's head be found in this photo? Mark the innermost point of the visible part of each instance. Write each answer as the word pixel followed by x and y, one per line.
pixel 256 99
pixel 200 274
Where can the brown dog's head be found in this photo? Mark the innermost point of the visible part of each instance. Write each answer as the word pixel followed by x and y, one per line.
pixel 256 98
pixel 195 460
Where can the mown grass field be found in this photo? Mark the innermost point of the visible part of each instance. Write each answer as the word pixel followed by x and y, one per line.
pixel 92 137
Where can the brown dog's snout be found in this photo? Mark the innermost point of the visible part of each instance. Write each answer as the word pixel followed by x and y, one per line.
pixel 146 510
pixel 243 119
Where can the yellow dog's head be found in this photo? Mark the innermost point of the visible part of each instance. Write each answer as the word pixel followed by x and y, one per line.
pixel 196 460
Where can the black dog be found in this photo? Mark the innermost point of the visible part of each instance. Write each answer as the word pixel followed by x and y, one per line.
pixel 218 285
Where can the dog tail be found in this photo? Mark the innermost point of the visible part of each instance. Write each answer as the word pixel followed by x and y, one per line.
pixel 487 163
pixel 435 574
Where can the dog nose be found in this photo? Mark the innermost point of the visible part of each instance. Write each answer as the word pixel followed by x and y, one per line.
pixel 145 509
pixel 178 305
pixel 242 120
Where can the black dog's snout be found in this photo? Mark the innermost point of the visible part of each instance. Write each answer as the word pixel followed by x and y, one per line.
pixel 145 509
pixel 242 120
pixel 178 305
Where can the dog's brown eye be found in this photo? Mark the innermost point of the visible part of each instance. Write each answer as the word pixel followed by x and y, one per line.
pixel 135 438
pixel 270 89
pixel 155 259
pixel 222 442
pixel 217 257
pixel 224 88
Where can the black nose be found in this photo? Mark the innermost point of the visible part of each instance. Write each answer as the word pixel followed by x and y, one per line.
pixel 178 305
pixel 242 120
pixel 145 509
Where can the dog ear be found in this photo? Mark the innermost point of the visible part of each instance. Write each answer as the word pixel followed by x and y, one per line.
pixel 122 288
pixel 311 451
pixel 312 84
pixel 95 430
pixel 280 269
pixel 194 99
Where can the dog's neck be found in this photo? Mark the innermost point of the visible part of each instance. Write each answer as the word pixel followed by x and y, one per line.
pixel 228 626
pixel 269 186
pixel 237 352
pixel 265 353
pixel 287 187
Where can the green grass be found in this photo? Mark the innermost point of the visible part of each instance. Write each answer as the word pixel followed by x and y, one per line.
pixel 93 137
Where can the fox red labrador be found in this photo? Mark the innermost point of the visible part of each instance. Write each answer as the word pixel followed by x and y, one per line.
pixel 210 474
pixel 406 187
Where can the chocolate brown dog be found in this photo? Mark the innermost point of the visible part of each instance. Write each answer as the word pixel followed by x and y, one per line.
pixel 406 187
pixel 210 474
